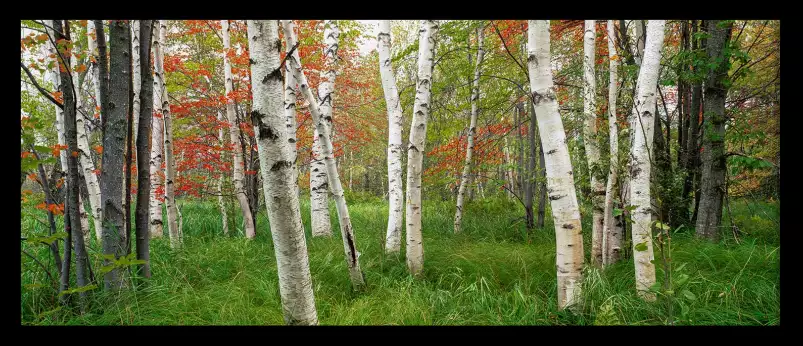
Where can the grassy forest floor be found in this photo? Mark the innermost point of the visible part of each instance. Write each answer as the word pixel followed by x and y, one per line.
pixel 494 273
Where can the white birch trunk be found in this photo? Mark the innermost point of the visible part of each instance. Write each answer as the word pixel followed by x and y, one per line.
pixel 560 182
pixel 591 141
pixel 221 205
pixel 170 164
pixel 157 135
pixel 86 164
pixel 472 129
pixel 319 194
pixel 641 157
pixel 415 149
pixel 276 166
pixel 611 246
pixel 137 78
pixel 234 136
pixel 395 120
pixel 290 98
pixel 92 46
pixel 346 230
pixel 511 180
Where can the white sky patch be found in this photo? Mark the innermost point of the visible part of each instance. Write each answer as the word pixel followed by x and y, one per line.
pixel 368 42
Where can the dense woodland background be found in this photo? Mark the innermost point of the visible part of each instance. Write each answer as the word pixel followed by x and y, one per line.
pixel 97 111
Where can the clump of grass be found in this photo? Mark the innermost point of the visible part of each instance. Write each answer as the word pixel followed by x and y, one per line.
pixel 494 272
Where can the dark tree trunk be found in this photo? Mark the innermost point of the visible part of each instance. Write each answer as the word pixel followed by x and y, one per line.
pixel 114 128
pixel 73 182
pixel 662 171
pixel 141 220
pixel 712 187
pixel 542 185
pixel 128 149
pixel 521 168
pixel 683 101
pixel 64 280
pixel 528 195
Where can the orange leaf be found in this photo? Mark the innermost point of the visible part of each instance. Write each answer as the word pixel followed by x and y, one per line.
pixel 99 149
pixel 74 153
pixel 33 177
pixel 80 68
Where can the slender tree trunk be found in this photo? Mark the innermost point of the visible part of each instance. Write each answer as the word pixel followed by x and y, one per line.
pixel 560 181
pixel 145 115
pixel 71 137
pixel 220 203
pixel 94 59
pixel 508 172
pixel 64 280
pixel 347 232
pixel 415 150
pixel 290 91
pixel 472 129
pixel 157 137
pixel 643 158
pixel 275 158
pixel 590 141
pixel 714 165
pixel 136 76
pixel 128 154
pixel 113 146
pixel 170 161
pixel 611 245
pixel 51 220
pixel 542 187
pixel 529 192
pixel 395 121
pixel 234 135
pixel 318 181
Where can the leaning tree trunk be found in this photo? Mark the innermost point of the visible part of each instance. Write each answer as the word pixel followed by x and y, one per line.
pixel 714 165
pixel 590 141
pixel 415 149
pixel 71 137
pixel 319 193
pixel 276 166
pixel 234 136
pixel 156 195
pixel 560 181
pixel 642 159
pixel 611 235
pixel 145 115
pixel 347 232
pixel 290 94
pixel 170 161
pixel 113 147
pixel 395 121
pixel 472 129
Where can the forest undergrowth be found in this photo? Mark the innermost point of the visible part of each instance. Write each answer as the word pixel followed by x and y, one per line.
pixel 493 273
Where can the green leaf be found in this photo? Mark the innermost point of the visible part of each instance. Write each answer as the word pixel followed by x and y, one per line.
pixel 669 292
pixel 689 295
pixel 682 279
pixel 656 287
pixel 680 267
pixel 641 246
pixel 617 212
pixel 78 289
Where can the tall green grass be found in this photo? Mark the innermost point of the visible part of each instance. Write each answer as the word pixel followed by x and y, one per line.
pixel 493 273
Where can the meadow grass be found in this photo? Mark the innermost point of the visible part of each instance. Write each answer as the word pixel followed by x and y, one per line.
pixel 494 273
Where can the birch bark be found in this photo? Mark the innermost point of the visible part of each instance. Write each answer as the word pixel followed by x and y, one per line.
pixel 276 166
pixel 590 141
pixel 611 237
pixel 560 182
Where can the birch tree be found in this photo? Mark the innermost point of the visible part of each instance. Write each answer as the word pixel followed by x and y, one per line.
pixel 170 162
pixel 472 129
pixel 94 61
pixel 276 166
pixel 415 148
pixel 641 153
pixel 234 136
pixel 221 206
pixel 346 230
pixel 290 91
pixel 590 140
pixel 318 172
pixel 157 136
pixel 395 120
pixel 136 75
pixel 611 235
pixel 145 116
pixel 114 129
pixel 560 181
